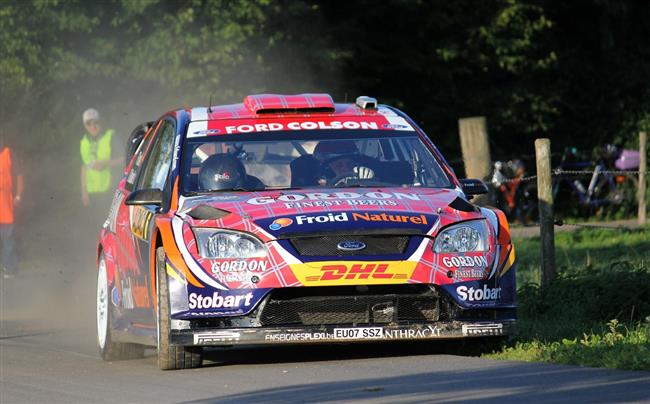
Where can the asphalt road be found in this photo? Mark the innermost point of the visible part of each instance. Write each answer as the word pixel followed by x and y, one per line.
pixel 48 354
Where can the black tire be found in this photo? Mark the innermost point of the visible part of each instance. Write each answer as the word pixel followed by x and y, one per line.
pixel 109 349
pixel 170 356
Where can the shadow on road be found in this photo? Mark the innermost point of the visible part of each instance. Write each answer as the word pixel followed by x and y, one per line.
pixel 338 352
pixel 497 382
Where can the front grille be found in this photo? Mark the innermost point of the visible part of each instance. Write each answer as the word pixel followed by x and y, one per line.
pixel 350 305
pixel 326 245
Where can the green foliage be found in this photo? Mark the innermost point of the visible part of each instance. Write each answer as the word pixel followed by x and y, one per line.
pixel 584 298
pixel 586 247
pixel 618 347
pixel 597 311
pixel 575 72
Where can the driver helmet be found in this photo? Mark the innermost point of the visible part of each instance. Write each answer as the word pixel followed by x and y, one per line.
pixel 220 172
pixel 331 149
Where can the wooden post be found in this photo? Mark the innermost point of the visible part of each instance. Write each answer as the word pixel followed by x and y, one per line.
pixel 545 200
pixel 476 150
pixel 643 167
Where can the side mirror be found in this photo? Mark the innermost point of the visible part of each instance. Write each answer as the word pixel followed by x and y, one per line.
pixel 145 197
pixel 472 187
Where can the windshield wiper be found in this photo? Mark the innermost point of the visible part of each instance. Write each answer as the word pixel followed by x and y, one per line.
pixel 211 191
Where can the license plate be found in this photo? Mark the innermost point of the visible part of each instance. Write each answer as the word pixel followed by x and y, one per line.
pixel 359 333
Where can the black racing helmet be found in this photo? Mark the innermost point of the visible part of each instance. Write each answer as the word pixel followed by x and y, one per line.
pixel 220 172
pixel 327 150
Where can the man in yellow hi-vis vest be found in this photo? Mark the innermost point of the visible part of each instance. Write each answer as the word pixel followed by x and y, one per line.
pixel 99 154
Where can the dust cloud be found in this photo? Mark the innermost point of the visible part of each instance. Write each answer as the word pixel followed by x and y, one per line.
pixel 55 234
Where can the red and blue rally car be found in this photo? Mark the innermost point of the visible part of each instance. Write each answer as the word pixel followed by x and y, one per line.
pixel 291 219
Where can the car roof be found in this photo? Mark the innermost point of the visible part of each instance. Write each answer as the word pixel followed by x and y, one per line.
pixel 308 111
pixel 265 106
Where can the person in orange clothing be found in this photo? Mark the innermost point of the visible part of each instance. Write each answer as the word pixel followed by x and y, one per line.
pixel 11 192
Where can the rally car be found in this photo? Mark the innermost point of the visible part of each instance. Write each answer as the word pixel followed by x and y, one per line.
pixel 291 219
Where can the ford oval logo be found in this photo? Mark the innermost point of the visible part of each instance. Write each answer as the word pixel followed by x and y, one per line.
pixel 351 245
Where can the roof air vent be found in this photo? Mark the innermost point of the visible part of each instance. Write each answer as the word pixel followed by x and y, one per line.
pixel 289 104
pixel 367 102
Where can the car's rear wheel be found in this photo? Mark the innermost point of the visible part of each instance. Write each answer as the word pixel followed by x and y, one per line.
pixel 170 356
pixel 109 349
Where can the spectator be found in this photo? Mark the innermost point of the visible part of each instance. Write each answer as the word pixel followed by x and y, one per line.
pixel 99 154
pixel 11 192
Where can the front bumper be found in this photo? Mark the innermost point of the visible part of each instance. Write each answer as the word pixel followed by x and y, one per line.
pixel 333 334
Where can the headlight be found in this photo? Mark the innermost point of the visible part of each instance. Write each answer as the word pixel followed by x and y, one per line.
pixel 469 236
pixel 214 243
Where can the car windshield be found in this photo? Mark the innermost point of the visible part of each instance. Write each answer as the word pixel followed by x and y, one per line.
pixel 308 159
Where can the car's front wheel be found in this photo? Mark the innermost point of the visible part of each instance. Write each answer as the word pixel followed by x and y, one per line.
pixel 109 349
pixel 170 356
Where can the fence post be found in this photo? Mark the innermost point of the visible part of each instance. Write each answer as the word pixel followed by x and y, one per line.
pixel 545 200
pixel 643 167
pixel 476 149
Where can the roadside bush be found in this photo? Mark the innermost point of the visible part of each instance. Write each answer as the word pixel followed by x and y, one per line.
pixel 584 298
pixel 618 347
pixel 596 312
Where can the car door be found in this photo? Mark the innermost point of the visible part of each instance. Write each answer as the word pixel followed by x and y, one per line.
pixel 135 225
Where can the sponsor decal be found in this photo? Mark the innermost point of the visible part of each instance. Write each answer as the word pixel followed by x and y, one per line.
pixel 472 295
pixel 215 313
pixel 466 261
pixel 223 197
pixel 280 223
pixel 115 296
pixel 359 333
pixel 222 177
pixel 330 217
pixel 207 132
pixel 238 271
pixel 239 266
pixel 393 218
pixel 299 336
pixel 394 126
pixel 304 125
pixel 215 336
pixel 216 301
pixel 291 200
pixel 326 273
pixel 131 178
pixel 482 329
pixel 427 332
pixel 354 216
pixel 356 271
pixel 177 151
pixel 111 221
pixel 469 273
pixel 134 294
pixel 347 202
pixel 140 218
pixel 235 277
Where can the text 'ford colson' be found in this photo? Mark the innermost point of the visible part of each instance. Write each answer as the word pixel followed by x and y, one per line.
pixel 292 219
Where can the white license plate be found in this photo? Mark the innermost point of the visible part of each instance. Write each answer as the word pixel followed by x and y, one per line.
pixel 359 333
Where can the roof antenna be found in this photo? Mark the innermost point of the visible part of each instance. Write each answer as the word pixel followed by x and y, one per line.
pixel 346 98
pixel 210 105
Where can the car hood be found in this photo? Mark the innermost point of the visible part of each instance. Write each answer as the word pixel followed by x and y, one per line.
pixel 280 214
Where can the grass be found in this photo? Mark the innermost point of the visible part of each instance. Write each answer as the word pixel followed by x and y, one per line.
pixel 597 311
